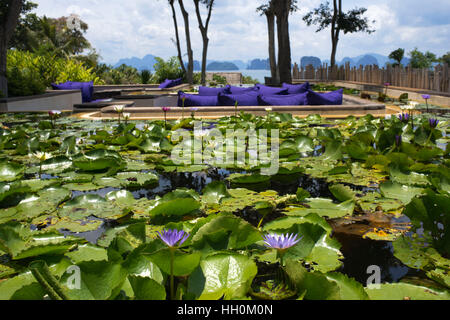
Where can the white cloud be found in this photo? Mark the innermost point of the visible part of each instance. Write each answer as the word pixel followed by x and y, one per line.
pixel 120 29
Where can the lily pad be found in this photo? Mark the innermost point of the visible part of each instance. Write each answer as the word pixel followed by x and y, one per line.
pixel 222 275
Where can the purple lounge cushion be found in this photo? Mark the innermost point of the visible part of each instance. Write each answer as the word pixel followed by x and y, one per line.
pixel 170 83
pixel 207 91
pixel 329 98
pixel 195 100
pixel 245 99
pixel 241 90
pixel 297 88
pixel 283 100
pixel 270 91
pixel 87 88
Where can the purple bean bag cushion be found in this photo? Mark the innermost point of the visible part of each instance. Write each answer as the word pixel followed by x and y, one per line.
pixel 87 88
pixel 195 100
pixel 170 83
pixel 241 90
pixel 270 91
pixel 297 88
pixel 329 98
pixel 207 91
pixel 283 100
pixel 246 99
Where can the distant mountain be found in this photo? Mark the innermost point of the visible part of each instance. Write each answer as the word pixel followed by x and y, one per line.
pixel 221 66
pixel 240 64
pixel 370 58
pixel 197 65
pixel 306 61
pixel 146 62
pixel 367 60
pixel 259 64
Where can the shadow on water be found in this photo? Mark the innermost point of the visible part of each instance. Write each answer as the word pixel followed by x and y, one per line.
pixel 360 254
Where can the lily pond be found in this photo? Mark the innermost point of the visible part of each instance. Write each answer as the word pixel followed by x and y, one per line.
pixel 99 210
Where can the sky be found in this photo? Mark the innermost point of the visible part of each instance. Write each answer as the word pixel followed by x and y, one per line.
pixel 134 28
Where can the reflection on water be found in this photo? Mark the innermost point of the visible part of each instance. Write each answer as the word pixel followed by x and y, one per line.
pixel 360 253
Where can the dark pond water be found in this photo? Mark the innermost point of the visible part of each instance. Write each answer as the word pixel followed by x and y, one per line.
pixel 359 253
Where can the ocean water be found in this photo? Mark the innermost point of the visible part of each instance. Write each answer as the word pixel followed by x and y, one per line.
pixel 255 74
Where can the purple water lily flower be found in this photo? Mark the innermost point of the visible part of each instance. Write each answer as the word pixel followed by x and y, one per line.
pixel 398 140
pixel 433 123
pixel 426 97
pixel 281 242
pixel 404 117
pixel 173 238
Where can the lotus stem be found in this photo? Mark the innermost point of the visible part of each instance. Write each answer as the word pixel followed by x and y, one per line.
pixel 172 287
pixel 42 273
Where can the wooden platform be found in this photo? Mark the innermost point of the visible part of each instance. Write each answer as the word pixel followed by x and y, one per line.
pixel 352 106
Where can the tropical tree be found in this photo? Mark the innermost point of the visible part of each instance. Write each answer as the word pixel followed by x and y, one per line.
pixel 204 31
pixel 445 58
pixel 420 60
pixel 9 17
pixel 350 22
pixel 397 55
pixel 177 35
pixel 268 11
pixel 190 66
pixel 48 35
pixel 282 9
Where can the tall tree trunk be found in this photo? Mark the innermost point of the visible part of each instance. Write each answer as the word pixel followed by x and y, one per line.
pixel 282 11
pixel 190 68
pixel 204 31
pixel 335 30
pixel 177 36
pixel 7 27
pixel 3 54
pixel 272 57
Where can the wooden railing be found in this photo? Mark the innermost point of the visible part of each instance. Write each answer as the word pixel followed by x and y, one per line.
pixel 436 79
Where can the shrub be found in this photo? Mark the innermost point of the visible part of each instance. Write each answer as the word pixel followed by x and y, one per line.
pixel 404 97
pixel 30 74
pixel 146 75
pixel 197 78
pixel 365 95
pixel 218 79
pixel 249 80
pixel 382 97
pixel 170 69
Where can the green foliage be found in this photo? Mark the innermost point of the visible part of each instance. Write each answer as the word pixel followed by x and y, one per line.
pixel 121 75
pixel 445 58
pixel 361 180
pixel 249 80
pixel 170 69
pixel 420 60
pixel 45 35
pixel 397 55
pixel 30 74
pixel 348 22
pixel 218 79
pixel 403 97
pixel 146 75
